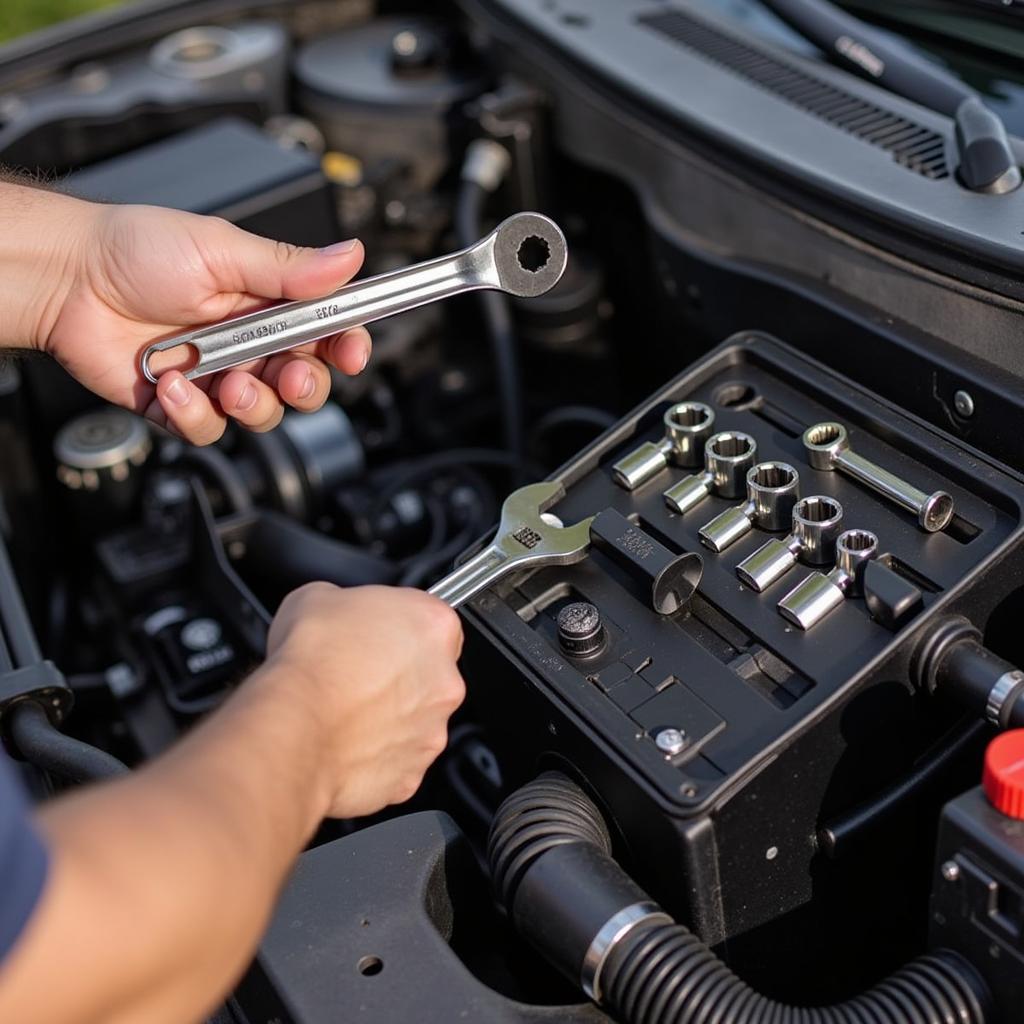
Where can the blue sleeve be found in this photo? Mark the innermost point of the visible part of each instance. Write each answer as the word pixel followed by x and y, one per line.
pixel 23 859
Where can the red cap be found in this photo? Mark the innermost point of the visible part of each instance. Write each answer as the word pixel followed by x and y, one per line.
pixel 1004 773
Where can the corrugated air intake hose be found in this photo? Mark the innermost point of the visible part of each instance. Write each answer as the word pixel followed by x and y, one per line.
pixel 550 857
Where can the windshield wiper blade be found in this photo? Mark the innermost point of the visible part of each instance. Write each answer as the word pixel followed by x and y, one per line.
pixel 987 162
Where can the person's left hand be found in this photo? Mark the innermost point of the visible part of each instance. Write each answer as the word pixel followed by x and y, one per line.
pixel 145 273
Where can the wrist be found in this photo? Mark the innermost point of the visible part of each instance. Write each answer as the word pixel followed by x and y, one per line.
pixel 293 696
pixel 44 246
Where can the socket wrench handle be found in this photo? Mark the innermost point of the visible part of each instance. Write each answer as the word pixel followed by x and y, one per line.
pixel 828 448
pixel 524 256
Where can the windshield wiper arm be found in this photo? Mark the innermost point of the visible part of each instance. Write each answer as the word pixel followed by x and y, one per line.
pixel 987 162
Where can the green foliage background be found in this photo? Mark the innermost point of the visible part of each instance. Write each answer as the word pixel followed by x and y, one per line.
pixel 20 16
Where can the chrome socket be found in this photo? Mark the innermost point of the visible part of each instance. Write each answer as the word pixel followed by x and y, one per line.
pixel 773 489
pixel 728 457
pixel 821 593
pixel 688 425
pixel 817 522
pixel 828 448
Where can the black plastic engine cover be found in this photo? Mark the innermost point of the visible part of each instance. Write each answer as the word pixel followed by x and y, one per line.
pixel 371 928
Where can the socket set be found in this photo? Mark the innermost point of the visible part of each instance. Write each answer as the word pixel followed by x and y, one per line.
pixel 765 538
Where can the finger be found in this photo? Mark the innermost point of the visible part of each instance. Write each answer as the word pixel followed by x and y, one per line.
pixel 243 262
pixel 302 381
pixel 155 414
pixel 350 352
pixel 250 401
pixel 189 410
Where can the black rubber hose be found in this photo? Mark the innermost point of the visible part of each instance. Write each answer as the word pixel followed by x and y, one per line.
pixel 952 662
pixel 656 971
pixel 469 209
pixel 40 743
pixel 20 637
pixel 548 812
pixel 214 463
pixel 662 973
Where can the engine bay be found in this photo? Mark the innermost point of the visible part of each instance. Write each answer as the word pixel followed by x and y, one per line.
pixel 740 732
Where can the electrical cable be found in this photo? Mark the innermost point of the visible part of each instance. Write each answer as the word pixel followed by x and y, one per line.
pixel 484 169
pixel 423 569
pixel 591 416
pixel 431 465
pixel 571 415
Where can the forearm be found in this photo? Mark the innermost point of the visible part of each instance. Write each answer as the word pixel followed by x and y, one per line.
pixel 43 239
pixel 162 883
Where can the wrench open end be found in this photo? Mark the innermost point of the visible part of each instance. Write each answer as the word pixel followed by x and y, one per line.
pixel 530 254
pixel 526 539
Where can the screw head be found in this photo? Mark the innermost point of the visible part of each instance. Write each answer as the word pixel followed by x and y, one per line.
pixel 963 402
pixel 950 871
pixel 670 741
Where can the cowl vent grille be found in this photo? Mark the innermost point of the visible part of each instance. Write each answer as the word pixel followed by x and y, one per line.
pixel 913 146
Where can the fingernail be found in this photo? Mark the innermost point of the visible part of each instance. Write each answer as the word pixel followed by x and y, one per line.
pixel 366 358
pixel 340 248
pixel 178 392
pixel 309 387
pixel 247 399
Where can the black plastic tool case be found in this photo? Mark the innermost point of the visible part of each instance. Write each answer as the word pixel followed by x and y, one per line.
pixel 785 728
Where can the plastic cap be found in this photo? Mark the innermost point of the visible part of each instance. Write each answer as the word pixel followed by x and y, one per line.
pixel 1004 773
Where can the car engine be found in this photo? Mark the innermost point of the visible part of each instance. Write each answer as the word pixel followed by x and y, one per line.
pixel 747 747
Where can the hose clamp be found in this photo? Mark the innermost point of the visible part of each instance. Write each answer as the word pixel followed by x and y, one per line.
pixel 997 697
pixel 609 935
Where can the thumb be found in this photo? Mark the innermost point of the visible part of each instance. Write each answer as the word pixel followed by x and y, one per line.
pixel 243 262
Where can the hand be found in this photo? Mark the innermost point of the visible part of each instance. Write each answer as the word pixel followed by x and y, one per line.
pixel 379 665
pixel 144 273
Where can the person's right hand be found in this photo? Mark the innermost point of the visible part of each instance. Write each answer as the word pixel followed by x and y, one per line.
pixel 378 666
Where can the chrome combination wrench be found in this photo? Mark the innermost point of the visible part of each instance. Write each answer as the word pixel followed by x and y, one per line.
pixel 526 539
pixel 524 256
pixel 828 448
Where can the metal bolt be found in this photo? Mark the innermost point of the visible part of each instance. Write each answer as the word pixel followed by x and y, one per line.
pixel 406 43
pixel 670 741
pixel 580 630
pixel 950 871
pixel 963 402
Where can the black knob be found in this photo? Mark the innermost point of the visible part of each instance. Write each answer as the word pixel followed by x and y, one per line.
pixel 580 630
